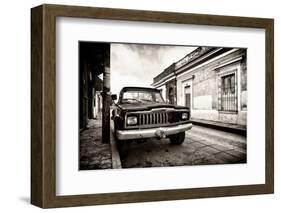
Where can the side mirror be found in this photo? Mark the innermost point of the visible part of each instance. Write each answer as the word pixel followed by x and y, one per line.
pixel 113 97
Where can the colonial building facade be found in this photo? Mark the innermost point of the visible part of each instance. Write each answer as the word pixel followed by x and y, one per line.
pixel 211 81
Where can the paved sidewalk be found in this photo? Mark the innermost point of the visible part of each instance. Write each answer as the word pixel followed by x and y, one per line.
pixel 93 153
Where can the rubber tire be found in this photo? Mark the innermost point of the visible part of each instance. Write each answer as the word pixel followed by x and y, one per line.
pixel 115 130
pixel 121 145
pixel 122 149
pixel 177 139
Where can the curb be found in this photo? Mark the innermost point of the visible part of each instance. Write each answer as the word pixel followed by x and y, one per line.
pixel 115 157
pixel 239 131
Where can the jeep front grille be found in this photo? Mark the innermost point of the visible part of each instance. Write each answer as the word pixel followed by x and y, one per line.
pixel 153 118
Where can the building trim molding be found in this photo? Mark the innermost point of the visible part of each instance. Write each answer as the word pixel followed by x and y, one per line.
pixel 208 61
pixel 229 62
pixel 164 80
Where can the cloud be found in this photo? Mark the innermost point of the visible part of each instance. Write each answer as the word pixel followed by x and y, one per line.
pixel 138 64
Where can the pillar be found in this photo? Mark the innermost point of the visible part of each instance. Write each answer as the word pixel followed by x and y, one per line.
pixel 106 99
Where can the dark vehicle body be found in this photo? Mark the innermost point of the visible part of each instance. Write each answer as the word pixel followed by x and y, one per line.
pixel 142 113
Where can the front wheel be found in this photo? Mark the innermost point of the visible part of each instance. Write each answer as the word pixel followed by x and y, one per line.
pixel 177 139
pixel 121 145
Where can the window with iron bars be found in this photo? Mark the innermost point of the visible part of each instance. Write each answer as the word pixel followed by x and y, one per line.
pixel 228 93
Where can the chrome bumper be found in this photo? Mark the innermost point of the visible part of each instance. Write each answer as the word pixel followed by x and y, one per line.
pixel 160 132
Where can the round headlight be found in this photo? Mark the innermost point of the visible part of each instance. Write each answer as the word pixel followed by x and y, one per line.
pixel 132 120
pixel 184 116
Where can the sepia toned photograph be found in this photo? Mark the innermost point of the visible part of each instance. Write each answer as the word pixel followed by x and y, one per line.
pixel 135 106
pixel 152 105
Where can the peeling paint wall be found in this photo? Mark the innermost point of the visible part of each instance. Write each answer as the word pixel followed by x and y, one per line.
pixel 206 90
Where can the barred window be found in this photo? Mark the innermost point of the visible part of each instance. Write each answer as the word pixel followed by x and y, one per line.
pixel 228 93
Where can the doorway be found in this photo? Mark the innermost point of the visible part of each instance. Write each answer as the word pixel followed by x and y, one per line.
pixel 187 96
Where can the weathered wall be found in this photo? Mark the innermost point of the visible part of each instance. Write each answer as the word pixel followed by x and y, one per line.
pixel 205 91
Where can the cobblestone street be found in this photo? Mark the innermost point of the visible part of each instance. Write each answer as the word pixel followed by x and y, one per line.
pixel 202 146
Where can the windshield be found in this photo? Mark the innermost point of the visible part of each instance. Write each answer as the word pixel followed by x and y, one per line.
pixel 142 97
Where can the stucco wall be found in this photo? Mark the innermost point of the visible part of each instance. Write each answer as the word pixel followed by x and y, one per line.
pixel 205 89
pixel 204 81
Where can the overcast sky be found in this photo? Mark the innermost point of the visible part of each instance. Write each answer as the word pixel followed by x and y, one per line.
pixel 138 64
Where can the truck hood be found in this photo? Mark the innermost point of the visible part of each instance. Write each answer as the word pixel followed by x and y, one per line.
pixel 142 107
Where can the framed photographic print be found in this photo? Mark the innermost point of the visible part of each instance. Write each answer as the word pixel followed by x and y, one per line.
pixel 136 106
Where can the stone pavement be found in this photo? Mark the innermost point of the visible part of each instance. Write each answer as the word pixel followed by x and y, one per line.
pixel 93 153
pixel 202 146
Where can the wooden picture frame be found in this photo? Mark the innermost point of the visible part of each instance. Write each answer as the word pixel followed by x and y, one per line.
pixel 43 105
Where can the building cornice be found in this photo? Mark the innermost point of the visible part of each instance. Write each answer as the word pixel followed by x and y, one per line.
pixel 206 62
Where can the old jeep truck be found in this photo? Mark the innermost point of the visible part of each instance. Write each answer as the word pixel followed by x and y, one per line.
pixel 142 113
